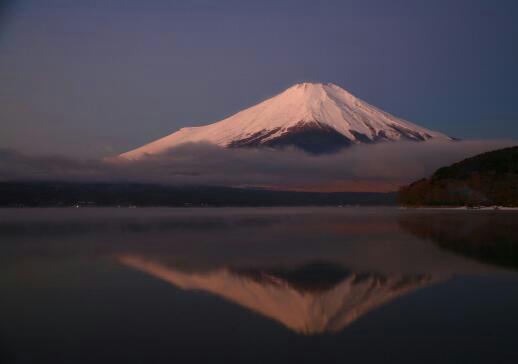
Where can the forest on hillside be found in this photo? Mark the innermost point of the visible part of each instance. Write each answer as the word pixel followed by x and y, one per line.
pixel 484 180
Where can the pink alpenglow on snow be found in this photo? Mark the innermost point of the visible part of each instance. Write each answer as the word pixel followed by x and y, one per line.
pixel 315 117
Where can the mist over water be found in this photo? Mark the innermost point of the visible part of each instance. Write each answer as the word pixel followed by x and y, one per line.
pixel 257 284
pixel 380 167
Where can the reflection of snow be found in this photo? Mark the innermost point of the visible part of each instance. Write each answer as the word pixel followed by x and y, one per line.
pixel 303 311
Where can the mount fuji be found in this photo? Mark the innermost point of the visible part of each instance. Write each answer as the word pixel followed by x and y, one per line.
pixel 314 117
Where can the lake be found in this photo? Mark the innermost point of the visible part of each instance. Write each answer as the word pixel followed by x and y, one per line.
pixel 258 285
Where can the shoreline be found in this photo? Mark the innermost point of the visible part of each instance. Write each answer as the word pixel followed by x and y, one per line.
pixel 463 208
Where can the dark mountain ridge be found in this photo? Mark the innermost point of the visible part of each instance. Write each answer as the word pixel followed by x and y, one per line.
pixel 484 180
pixel 45 194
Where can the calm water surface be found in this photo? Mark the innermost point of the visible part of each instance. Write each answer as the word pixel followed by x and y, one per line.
pixel 355 285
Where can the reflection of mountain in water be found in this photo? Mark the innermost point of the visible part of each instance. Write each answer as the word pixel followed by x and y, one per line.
pixel 295 298
pixel 490 237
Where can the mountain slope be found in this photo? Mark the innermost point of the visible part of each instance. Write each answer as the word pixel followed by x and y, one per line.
pixel 486 179
pixel 315 117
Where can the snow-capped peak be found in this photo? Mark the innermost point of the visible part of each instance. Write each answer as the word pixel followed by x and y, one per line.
pixel 313 116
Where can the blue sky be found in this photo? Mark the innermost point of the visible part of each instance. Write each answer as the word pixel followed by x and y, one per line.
pixel 93 78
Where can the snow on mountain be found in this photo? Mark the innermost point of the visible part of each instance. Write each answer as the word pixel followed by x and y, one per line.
pixel 315 117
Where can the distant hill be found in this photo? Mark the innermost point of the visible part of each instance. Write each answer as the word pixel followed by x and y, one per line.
pixel 44 194
pixel 484 180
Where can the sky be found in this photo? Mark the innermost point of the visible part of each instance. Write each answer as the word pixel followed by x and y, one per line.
pixel 95 78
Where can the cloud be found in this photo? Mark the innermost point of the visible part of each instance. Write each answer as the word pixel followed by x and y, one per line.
pixel 204 164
